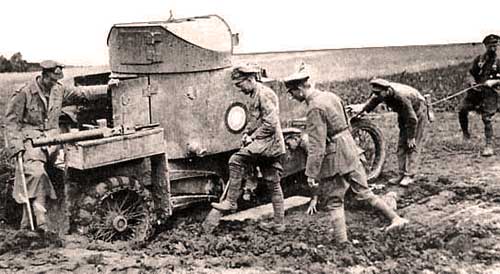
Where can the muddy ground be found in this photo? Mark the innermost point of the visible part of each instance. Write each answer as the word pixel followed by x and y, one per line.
pixel 454 209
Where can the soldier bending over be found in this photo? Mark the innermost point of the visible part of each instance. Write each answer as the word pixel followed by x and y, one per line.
pixel 412 111
pixel 333 162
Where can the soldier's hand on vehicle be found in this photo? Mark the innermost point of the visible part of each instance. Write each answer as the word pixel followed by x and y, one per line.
pixel 311 182
pixel 492 82
pixel 355 109
pixel 412 144
pixel 311 210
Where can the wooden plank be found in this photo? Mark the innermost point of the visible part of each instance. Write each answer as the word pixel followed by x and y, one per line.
pixel 266 210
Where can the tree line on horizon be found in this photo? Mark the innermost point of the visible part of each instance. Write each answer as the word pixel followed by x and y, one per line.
pixel 16 63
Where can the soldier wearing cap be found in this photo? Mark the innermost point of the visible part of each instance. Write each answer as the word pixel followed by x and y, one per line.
pixel 411 108
pixel 485 72
pixel 333 162
pixel 263 144
pixel 33 111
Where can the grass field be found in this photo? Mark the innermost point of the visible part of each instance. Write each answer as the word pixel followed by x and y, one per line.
pixel 344 64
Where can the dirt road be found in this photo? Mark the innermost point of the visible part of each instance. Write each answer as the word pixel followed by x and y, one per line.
pixel 454 209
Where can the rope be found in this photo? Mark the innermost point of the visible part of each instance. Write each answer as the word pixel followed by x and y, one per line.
pixel 455 94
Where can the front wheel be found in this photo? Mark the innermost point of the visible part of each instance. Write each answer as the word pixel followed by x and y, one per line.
pixel 118 209
pixel 371 140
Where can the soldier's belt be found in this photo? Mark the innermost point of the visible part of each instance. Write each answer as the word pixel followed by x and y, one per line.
pixel 329 139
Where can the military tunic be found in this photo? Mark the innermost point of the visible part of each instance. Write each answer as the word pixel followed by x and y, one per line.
pixel 482 99
pixel 333 156
pixel 265 129
pixel 264 124
pixel 33 113
pixel 411 108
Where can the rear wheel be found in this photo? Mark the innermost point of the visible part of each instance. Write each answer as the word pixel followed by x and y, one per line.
pixel 371 140
pixel 118 209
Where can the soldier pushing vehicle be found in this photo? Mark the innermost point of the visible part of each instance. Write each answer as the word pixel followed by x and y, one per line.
pixel 485 72
pixel 333 162
pixel 412 111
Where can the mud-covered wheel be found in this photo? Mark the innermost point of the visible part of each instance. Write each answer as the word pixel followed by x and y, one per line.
pixel 371 140
pixel 118 209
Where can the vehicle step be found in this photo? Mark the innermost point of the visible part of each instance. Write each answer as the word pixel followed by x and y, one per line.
pixel 266 210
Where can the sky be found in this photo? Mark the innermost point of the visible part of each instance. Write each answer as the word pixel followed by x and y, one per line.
pixel 75 32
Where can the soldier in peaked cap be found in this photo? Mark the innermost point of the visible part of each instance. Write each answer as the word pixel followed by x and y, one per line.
pixel 333 162
pixel 485 72
pixel 411 108
pixel 52 68
pixel 32 112
pixel 263 144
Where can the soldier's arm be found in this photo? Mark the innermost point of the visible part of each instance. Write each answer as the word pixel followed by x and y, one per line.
pixel 13 122
pixel 316 130
pixel 270 117
pixel 252 125
pixel 372 103
pixel 473 75
pixel 83 94
pixel 409 116
pixel 497 72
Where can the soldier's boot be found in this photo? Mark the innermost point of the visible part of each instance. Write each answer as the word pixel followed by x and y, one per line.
pixel 488 134
pixel 230 202
pixel 337 217
pixel 396 221
pixel 488 149
pixel 233 192
pixel 396 180
pixel 278 224
pixel 407 180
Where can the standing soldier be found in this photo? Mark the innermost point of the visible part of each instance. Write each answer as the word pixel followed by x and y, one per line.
pixel 263 144
pixel 485 70
pixel 333 162
pixel 412 112
pixel 32 112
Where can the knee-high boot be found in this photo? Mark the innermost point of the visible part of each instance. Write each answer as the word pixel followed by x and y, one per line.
pixel 278 202
pixel 396 220
pixel 337 217
pixel 233 192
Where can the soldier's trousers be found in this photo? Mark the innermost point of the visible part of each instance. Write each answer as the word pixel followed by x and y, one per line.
pixel 38 207
pixel 38 183
pixel 485 106
pixel 408 159
pixel 241 162
pixel 335 188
